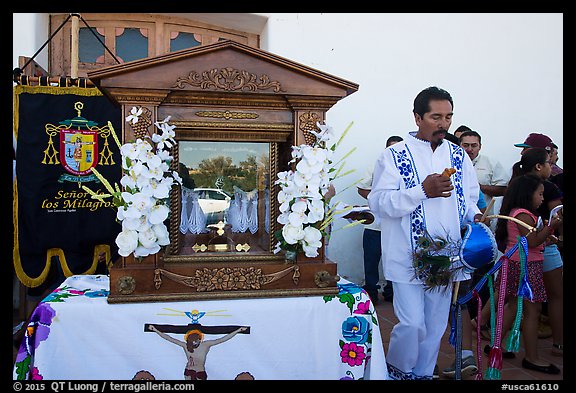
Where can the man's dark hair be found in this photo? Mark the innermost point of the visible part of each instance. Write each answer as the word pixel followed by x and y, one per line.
pixel 393 138
pixel 422 100
pixel 471 133
pixel 462 128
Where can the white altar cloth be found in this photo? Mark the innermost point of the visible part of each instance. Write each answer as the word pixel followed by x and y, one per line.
pixel 74 334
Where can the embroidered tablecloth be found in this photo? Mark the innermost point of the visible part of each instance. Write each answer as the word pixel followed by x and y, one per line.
pixel 74 334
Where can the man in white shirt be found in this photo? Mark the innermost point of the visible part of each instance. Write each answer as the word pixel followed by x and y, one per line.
pixel 491 175
pixel 413 199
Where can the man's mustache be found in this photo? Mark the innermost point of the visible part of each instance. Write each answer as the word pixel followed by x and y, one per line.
pixel 440 131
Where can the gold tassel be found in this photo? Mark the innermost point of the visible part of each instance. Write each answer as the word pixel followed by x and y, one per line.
pixel 57 90
pixel 66 269
pixel 104 248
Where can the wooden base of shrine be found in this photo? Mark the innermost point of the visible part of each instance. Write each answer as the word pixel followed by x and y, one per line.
pixel 220 280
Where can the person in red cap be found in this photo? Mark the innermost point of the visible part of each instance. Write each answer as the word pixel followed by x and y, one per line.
pixel 536 140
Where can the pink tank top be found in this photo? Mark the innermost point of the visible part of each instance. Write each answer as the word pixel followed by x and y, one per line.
pixel 534 253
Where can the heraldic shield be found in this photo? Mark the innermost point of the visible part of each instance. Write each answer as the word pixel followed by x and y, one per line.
pixel 78 150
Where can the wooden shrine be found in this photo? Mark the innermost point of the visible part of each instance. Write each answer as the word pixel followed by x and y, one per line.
pixel 237 110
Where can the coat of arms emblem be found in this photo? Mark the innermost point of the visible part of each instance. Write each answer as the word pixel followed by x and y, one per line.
pixel 79 151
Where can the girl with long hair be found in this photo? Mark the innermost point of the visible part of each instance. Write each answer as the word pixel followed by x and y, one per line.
pixel 522 199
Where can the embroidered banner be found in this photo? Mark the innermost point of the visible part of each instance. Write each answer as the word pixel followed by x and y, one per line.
pixel 62 133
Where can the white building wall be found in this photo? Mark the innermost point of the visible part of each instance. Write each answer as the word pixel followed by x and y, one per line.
pixel 504 71
pixel 29 33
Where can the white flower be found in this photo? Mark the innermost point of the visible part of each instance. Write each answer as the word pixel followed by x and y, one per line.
pixel 326 132
pixel 142 251
pixel 147 238
pixel 157 189
pixel 296 153
pixel 312 236
pixel 156 173
pixel 162 234
pixel 134 114
pixel 138 204
pixel 301 196
pixel 292 234
pixel 314 155
pixel 162 125
pixel 309 168
pixel 284 177
pixel 297 219
pixel 148 179
pixel 283 218
pixel 302 179
pixel 127 241
pixel 167 136
pixel 300 205
pixel 120 213
pixel 128 180
pixel 176 177
pixel 135 223
pixel 130 150
pixel 150 159
pixel 284 199
pixel 158 214
pixel 316 208
pixel 143 206
pixel 164 156
pixel 312 241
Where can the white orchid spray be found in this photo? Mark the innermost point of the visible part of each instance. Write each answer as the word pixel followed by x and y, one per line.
pixel 144 203
pixel 304 211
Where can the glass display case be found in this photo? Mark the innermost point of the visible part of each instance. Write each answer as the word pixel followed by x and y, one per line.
pixel 225 198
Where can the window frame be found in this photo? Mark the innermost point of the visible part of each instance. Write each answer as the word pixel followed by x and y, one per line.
pixel 159 28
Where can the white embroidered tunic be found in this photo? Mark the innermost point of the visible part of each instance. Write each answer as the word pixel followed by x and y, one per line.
pixel 398 199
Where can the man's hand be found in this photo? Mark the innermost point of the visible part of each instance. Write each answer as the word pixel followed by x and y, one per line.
pixel 556 220
pixel 478 218
pixel 436 185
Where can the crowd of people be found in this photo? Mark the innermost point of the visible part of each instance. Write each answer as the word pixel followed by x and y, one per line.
pixel 412 201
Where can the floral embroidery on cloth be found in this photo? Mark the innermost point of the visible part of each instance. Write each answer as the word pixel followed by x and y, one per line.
pixel 356 342
pixel 37 331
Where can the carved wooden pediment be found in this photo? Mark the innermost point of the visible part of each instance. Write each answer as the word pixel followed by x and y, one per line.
pixel 225 66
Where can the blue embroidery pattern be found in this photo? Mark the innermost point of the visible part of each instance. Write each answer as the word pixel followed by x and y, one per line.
pixel 405 164
pixel 457 159
pixel 398 374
